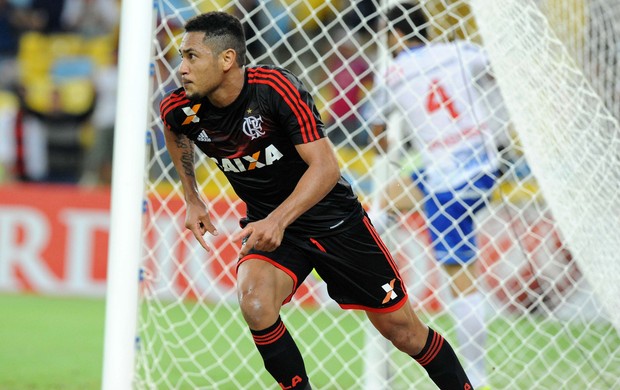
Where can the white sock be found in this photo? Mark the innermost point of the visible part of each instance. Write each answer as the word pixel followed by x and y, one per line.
pixel 469 312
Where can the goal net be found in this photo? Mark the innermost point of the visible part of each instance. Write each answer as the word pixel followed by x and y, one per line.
pixel 545 106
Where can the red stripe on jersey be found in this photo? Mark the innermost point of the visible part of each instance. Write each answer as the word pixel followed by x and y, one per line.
pixel 168 102
pixel 291 96
pixel 300 120
pixel 174 97
pixel 294 92
pixel 285 92
pixel 172 107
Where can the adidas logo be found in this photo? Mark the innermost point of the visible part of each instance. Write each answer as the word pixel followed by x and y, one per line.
pixel 203 137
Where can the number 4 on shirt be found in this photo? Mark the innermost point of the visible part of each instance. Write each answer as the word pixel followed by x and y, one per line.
pixel 437 98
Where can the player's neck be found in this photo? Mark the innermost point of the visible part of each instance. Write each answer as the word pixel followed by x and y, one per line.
pixel 230 88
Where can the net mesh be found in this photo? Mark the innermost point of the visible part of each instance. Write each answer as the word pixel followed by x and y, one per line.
pixel 547 244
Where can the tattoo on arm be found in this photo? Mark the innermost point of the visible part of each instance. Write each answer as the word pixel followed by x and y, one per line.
pixel 187 153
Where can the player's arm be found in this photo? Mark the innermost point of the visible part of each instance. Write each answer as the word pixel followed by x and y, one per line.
pixel 197 220
pixel 321 176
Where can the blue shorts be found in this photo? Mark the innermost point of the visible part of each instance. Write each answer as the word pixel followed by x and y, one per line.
pixel 450 221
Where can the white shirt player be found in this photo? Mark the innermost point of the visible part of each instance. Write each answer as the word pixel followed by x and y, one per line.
pixel 436 88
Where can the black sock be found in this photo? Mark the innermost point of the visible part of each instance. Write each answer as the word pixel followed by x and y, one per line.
pixel 281 356
pixel 440 362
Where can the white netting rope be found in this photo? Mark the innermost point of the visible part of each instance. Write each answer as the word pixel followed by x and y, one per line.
pixel 579 170
pixel 547 330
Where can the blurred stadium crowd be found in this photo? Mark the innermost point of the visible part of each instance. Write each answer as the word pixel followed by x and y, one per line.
pixel 57 89
pixel 58 77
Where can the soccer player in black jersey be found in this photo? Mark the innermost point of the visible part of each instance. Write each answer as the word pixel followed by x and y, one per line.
pixel 261 127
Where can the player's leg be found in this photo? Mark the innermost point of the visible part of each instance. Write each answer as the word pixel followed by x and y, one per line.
pixel 262 288
pixel 361 274
pixel 454 243
pixel 469 310
pixel 405 330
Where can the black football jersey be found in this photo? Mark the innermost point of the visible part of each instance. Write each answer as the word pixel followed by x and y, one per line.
pixel 252 141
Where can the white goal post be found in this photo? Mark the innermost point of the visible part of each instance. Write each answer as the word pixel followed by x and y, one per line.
pixel 125 244
pixel 548 246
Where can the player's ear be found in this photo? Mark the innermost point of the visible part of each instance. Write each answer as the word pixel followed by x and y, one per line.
pixel 228 58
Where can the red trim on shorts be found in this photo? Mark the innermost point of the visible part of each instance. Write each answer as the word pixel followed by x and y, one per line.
pixel 390 309
pixel 290 94
pixel 318 245
pixel 385 251
pixel 277 265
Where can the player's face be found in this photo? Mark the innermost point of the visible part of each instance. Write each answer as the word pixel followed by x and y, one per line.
pixel 201 71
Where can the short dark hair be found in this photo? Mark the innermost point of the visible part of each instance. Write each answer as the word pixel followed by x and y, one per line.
pixel 222 30
pixel 410 19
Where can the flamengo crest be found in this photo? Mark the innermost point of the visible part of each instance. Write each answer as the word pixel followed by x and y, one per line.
pixel 253 126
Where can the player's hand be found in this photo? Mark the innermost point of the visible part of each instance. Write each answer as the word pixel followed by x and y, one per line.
pixel 264 235
pixel 197 220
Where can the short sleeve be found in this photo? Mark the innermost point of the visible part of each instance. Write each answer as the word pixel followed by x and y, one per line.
pixel 167 107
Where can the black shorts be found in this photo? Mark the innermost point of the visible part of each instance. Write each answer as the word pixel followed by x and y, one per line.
pixel 357 267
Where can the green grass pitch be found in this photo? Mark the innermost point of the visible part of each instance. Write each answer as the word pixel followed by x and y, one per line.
pixel 57 343
pixel 50 343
